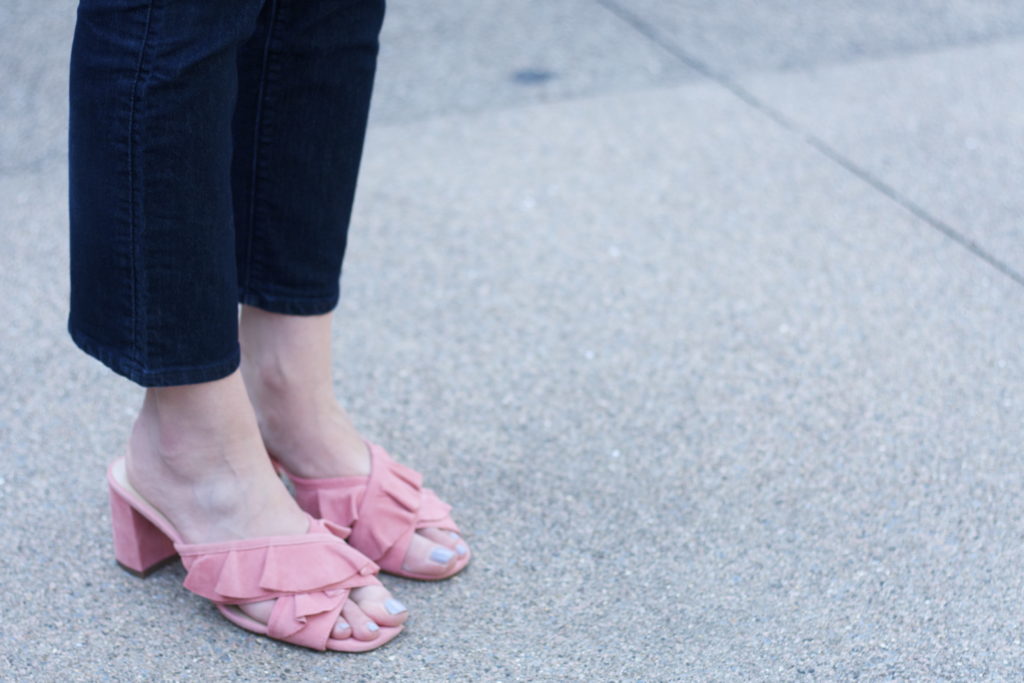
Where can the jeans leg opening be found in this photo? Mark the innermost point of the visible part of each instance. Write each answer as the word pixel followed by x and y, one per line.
pixel 290 305
pixel 122 364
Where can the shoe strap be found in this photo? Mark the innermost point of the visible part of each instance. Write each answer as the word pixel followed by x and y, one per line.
pixel 383 509
pixel 310 577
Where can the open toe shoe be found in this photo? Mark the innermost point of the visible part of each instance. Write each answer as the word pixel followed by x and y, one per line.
pixel 308 575
pixel 383 509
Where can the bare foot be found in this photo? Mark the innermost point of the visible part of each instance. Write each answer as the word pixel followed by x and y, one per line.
pixel 195 453
pixel 286 363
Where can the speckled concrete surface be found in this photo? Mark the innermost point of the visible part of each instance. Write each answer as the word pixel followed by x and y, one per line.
pixel 946 129
pixel 708 406
pixel 741 36
pixel 472 55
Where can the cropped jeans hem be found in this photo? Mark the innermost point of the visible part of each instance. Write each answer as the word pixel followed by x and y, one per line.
pixel 158 377
pixel 290 305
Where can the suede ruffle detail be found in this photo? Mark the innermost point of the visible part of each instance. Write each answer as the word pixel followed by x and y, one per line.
pixel 383 510
pixel 310 577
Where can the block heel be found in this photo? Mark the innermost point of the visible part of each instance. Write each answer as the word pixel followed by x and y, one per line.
pixel 139 547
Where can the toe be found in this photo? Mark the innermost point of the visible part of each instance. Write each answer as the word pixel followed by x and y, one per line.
pixel 363 627
pixel 378 604
pixel 342 630
pixel 448 539
pixel 260 611
pixel 429 558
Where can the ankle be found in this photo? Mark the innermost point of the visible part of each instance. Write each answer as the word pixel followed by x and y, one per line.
pixel 284 352
pixel 286 364
pixel 288 400
pixel 158 453
pixel 182 417
pixel 318 443
pixel 208 471
pixel 190 431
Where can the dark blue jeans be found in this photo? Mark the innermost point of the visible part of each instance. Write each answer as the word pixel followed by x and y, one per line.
pixel 214 149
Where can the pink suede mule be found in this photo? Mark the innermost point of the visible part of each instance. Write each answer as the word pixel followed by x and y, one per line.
pixel 310 575
pixel 383 510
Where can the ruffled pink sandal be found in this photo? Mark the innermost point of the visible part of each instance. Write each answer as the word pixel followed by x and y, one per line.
pixel 310 576
pixel 383 510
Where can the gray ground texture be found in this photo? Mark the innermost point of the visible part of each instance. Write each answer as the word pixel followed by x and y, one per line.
pixel 705 315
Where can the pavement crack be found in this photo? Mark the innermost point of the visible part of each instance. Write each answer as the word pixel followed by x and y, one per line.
pixel 725 81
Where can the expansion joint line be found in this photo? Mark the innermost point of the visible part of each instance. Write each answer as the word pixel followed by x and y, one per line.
pixel 723 80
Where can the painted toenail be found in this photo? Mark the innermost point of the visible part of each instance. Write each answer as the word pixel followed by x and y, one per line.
pixel 441 555
pixel 370 626
pixel 341 626
pixel 394 607
pixel 453 535
pixel 461 549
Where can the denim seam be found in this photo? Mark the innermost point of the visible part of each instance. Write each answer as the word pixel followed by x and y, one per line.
pixel 259 128
pixel 134 203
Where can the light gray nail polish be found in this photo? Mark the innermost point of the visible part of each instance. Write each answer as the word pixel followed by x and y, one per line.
pixel 394 606
pixel 453 535
pixel 342 625
pixel 441 555
pixel 370 626
pixel 461 549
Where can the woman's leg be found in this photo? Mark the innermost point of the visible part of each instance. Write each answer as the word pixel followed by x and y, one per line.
pixel 305 85
pixel 153 88
pixel 286 363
